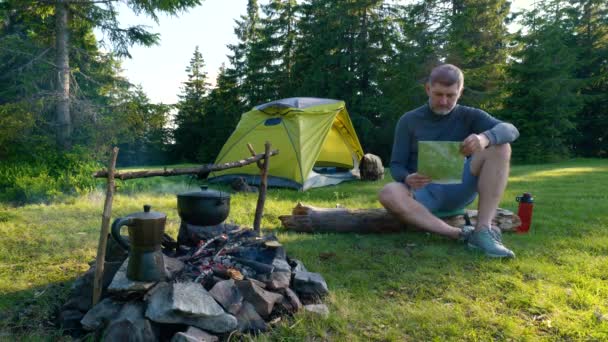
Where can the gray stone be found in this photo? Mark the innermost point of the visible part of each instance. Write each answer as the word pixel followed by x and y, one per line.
pixel 310 283
pixel 262 300
pixel 280 253
pixel 183 337
pixel 132 311
pixel 227 294
pixel 319 309
pixel 159 310
pixel 192 299
pixel 120 331
pixel 83 286
pixel 172 266
pixel 201 334
pixel 101 313
pixel 277 280
pixel 154 288
pixel 281 265
pixel 127 331
pixel 258 283
pixel 297 266
pixel 249 320
pixel 70 319
pixel 130 325
pixel 290 301
pixel 122 284
pixel 194 334
pixel 79 303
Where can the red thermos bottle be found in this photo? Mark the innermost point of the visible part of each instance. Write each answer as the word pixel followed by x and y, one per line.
pixel 526 204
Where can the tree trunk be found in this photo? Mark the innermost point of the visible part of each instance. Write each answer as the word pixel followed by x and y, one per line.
pixel 64 126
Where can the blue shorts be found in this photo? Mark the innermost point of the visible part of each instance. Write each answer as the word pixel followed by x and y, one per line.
pixel 449 197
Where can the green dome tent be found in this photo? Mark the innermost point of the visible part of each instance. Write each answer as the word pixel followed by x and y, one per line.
pixel 315 137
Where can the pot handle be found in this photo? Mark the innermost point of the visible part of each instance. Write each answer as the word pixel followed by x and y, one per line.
pixel 118 223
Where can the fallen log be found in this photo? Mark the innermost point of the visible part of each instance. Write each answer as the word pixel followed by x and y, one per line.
pixel 199 170
pixel 309 219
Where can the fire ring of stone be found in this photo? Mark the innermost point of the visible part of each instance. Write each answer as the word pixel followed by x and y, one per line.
pixel 231 281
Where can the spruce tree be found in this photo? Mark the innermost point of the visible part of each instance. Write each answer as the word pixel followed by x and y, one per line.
pixel 278 39
pixel 402 76
pixel 142 132
pixel 476 41
pixel 543 90
pixel 222 113
pixel 345 51
pixel 591 20
pixel 189 131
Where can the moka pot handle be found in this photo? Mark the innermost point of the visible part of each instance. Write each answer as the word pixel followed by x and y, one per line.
pixel 119 223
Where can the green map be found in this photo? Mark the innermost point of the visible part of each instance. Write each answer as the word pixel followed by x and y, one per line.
pixel 441 161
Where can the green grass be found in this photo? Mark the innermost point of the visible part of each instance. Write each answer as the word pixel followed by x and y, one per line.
pixel 408 286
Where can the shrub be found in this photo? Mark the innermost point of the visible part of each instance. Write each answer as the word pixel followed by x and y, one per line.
pixel 48 179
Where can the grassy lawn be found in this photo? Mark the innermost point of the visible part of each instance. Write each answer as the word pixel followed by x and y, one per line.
pixel 408 286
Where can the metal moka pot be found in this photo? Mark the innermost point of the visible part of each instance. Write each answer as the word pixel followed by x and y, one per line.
pixel 146 231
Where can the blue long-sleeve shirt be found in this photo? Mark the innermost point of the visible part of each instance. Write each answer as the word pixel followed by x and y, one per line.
pixel 421 124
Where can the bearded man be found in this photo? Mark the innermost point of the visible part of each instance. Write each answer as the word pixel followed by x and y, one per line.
pixel 485 142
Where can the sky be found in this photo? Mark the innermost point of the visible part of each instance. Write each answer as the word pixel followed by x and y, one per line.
pixel 160 69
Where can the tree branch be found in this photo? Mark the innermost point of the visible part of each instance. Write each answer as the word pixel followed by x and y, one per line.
pixel 185 171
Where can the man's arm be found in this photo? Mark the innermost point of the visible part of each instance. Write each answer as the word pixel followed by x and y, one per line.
pixel 401 151
pixel 496 131
pixel 502 133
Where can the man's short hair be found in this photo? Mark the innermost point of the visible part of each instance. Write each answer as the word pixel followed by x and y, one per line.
pixel 447 75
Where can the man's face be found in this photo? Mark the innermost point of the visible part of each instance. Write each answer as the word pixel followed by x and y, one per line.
pixel 443 99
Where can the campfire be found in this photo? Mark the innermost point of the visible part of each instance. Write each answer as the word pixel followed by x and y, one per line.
pixel 227 280
pixel 215 280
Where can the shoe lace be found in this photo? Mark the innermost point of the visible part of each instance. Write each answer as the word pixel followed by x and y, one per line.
pixel 466 232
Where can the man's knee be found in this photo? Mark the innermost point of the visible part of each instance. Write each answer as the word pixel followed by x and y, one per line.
pixel 498 154
pixel 501 151
pixel 391 193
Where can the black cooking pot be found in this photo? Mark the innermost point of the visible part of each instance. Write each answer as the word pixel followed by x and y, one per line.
pixel 203 208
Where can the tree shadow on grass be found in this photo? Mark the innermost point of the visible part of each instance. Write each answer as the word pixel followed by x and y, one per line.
pixel 32 314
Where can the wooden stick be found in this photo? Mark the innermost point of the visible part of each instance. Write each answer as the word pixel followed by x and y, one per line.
pixel 105 227
pixel 185 171
pixel 251 150
pixel 259 210
pixel 260 162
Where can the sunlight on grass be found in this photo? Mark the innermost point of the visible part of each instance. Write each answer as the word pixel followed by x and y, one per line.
pixel 561 172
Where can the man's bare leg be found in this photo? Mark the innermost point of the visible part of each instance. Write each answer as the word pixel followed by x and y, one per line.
pixel 396 198
pixel 492 167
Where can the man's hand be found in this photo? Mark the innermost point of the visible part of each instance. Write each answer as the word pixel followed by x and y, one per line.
pixel 474 143
pixel 417 181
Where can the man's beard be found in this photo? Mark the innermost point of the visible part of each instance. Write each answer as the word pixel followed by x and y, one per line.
pixel 441 111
